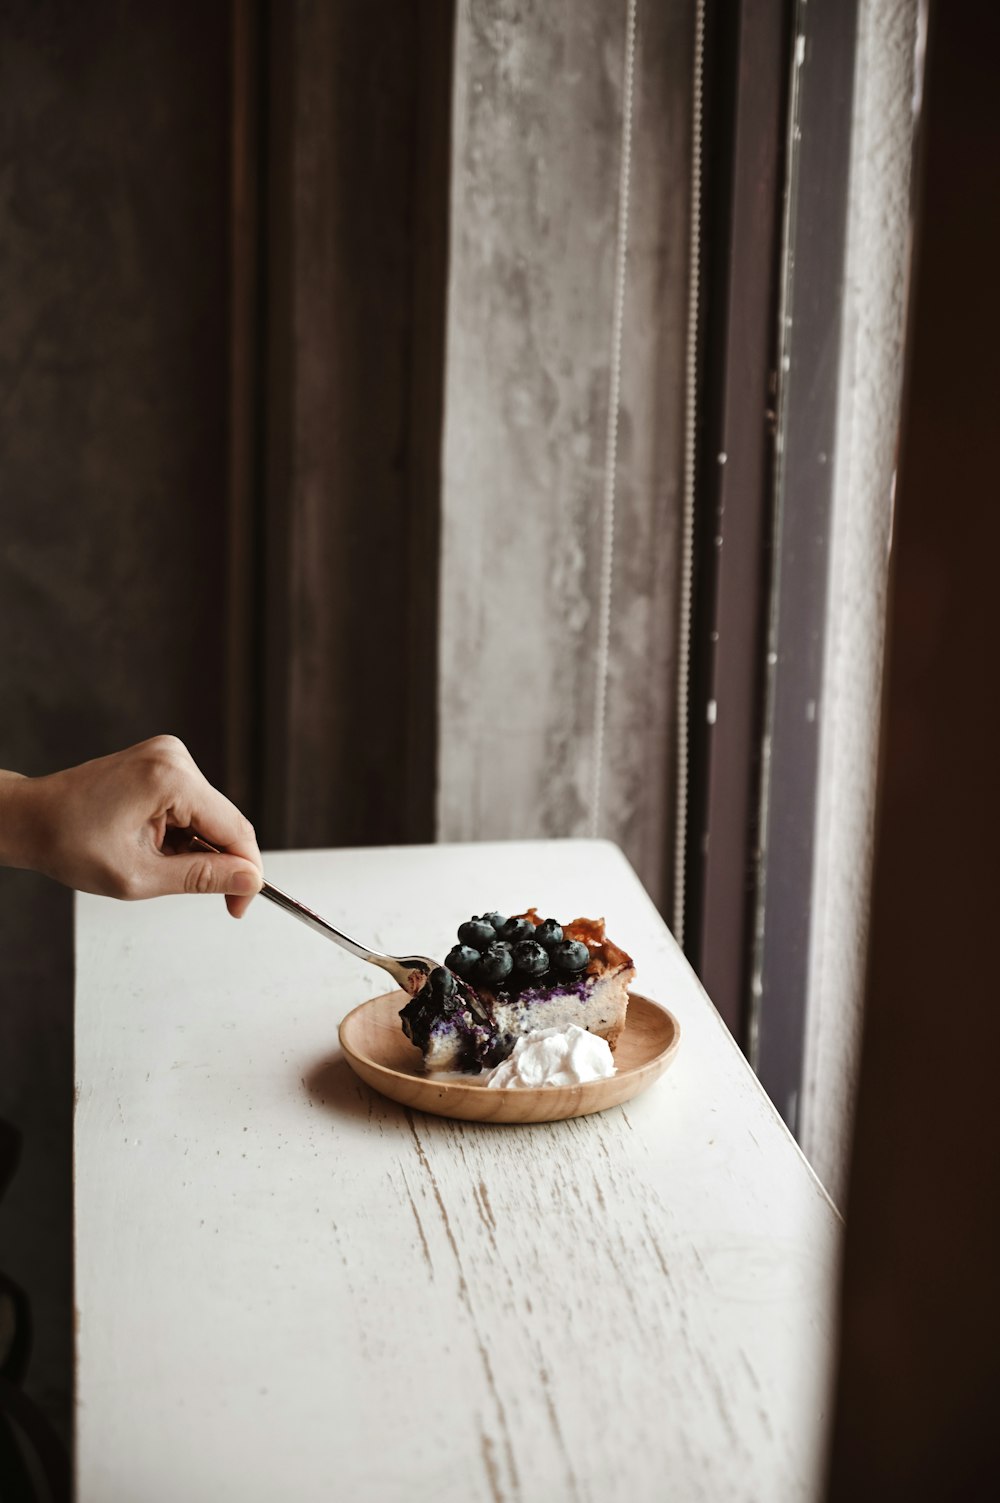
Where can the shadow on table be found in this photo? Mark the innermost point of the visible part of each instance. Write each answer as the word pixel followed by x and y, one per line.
pixel 332 1084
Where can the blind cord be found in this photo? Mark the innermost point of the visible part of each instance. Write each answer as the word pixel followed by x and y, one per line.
pixel 690 445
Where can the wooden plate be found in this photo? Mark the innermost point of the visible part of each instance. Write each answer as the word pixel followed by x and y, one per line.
pixel 378 1051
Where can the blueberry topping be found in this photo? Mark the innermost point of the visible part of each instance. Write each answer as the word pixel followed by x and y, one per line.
pixel 496 964
pixel 549 933
pixel 475 1007
pixel 478 933
pixel 414 1019
pixel 497 1050
pixel 571 955
pixel 517 928
pixel 496 919
pixel 441 984
pixel 463 960
pixel 442 997
pixel 531 957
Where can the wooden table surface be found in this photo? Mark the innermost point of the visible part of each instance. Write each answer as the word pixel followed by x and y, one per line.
pixel 289 1287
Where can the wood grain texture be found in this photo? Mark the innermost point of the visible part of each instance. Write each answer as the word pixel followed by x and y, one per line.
pixel 290 1286
pixel 377 1050
pixel 356 183
pixel 113 462
pixel 919 1382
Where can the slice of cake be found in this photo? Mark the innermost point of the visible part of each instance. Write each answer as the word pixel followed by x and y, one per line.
pixel 507 977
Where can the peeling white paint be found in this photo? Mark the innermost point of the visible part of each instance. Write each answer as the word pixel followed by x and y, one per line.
pixel 528 367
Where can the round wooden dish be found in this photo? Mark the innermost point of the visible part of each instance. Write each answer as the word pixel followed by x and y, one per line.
pixel 378 1051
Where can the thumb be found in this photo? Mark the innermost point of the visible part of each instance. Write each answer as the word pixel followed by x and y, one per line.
pixel 204 873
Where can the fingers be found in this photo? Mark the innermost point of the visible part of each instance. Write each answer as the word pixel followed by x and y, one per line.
pixel 191 803
pixel 199 872
pixel 219 821
pixel 237 905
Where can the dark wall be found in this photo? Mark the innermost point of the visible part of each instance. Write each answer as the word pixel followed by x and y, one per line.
pixel 223 247
pixel 113 433
pixel 113 373
pixel 358 103
pixel 919 1386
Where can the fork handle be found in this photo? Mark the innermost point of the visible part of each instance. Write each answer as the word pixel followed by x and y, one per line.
pixel 307 916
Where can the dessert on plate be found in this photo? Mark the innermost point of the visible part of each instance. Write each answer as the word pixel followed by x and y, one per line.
pixel 509 977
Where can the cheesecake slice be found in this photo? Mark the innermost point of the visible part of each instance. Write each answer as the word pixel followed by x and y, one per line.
pixel 509 976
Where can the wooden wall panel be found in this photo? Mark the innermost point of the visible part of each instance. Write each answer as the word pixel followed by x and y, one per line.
pixel 355 223
pixel 113 271
pixel 919 1384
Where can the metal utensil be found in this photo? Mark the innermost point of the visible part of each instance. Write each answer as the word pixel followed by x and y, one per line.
pixel 409 971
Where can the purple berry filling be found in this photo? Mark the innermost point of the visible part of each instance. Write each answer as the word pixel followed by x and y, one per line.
pixel 471 1016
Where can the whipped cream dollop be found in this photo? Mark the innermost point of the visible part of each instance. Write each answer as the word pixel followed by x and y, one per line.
pixel 551 1056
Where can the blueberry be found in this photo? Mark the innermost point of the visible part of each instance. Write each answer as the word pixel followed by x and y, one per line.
pixel 440 993
pixel 496 963
pixel 549 933
pixel 497 1050
pixel 415 1018
pixel 477 933
pixel 517 928
pixel 531 957
pixel 496 919
pixel 463 960
pixel 571 955
pixel 442 983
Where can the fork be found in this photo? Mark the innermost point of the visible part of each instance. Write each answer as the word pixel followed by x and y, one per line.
pixel 410 971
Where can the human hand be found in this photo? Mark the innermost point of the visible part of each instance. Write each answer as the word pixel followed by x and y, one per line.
pixel 117 826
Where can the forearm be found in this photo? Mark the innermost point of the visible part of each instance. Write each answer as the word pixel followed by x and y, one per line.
pixel 16 820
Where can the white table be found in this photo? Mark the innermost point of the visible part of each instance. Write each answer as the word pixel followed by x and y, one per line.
pixel 290 1288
